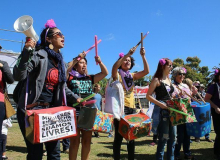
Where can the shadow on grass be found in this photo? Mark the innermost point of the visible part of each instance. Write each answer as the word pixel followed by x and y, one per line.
pixel 203 153
pixel 17 149
pixel 125 156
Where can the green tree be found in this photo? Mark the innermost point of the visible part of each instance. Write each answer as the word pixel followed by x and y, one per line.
pixel 103 83
pixel 144 81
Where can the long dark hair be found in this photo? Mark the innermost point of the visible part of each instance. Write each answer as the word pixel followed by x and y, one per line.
pixel 160 68
pixel 50 33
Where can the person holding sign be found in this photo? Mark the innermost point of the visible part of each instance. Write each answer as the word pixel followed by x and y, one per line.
pixel 178 75
pixel 161 85
pixel 46 87
pixel 122 69
pixel 81 83
pixel 213 97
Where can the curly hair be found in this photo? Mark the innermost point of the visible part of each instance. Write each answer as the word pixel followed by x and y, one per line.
pixel 176 71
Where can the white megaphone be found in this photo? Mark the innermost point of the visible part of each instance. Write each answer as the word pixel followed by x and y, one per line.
pixel 24 24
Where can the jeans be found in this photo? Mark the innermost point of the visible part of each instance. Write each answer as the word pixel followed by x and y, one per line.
pixel 35 151
pixel 118 139
pixel 156 118
pixel 66 144
pixel 182 138
pixel 2 117
pixel 216 123
pixel 166 134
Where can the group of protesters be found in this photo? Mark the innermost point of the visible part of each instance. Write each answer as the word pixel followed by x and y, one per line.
pixel 45 81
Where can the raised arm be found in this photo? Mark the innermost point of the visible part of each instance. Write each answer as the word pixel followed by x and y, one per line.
pixel 104 72
pixel 155 82
pixel 144 72
pixel 22 65
pixel 73 63
pixel 119 62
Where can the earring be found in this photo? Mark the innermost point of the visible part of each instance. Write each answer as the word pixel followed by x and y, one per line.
pixel 51 46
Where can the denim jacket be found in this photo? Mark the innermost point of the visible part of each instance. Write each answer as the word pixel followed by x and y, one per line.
pixel 36 65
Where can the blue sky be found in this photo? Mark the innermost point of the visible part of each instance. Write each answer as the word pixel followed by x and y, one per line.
pixel 178 28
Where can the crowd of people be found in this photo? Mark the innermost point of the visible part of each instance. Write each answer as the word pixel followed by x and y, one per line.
pixel 45 81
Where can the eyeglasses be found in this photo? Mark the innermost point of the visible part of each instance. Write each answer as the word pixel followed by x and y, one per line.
pixel 182 74
pixel 58 35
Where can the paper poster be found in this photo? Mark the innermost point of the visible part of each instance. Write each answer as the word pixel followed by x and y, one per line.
pixel 57 125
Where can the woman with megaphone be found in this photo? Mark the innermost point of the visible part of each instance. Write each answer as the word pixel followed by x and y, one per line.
pixel 45 72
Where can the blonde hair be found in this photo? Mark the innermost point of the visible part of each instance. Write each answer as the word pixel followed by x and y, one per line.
pixel 188 82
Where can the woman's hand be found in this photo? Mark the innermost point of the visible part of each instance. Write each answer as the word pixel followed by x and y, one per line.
pixel 1 65
pixel 142 51
pixel 29 43
pixel 132 50
pixel 164 106
pixel 82 55
pixel 98 59
pixel 79 100
pixel 217 110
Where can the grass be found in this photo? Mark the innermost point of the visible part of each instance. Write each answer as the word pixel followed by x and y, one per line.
pixel 101 149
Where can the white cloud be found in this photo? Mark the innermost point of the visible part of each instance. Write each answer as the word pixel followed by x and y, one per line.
pixel 110 37
pixel 159 13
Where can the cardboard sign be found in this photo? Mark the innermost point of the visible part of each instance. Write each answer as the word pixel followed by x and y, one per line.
pixel 50 124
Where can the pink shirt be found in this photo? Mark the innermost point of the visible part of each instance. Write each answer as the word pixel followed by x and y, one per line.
pixel 1 88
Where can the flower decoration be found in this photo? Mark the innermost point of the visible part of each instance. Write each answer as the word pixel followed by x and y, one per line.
pixel 121 55
pixel 162 61
pixel 184 69
pixel 216 71
pixel 50 24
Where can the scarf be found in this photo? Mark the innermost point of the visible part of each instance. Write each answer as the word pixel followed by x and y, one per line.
pixel 126 77
pixel 60 64
pixel 76 74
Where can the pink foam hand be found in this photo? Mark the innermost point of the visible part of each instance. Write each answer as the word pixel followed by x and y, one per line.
pixel 96 48
pixel 90 49
pixel 88 102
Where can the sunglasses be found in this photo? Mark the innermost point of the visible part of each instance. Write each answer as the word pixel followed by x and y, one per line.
pixel 58 35
pixel 182 74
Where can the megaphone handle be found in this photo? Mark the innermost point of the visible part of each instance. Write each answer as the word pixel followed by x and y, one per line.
pixel 28 39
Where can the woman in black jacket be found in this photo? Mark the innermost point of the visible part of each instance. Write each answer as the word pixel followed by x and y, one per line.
pixel 46 87
pixel 5 77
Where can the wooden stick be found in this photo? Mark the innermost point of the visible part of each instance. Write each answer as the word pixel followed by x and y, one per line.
pixel 142 40
pixel 138 99
pixel 188 95
pixel 200 97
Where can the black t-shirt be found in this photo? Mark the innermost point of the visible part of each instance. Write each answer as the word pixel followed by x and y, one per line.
pixel 50 84
pixel 81 86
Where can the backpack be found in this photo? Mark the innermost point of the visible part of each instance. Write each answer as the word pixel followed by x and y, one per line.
pixel 114 98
